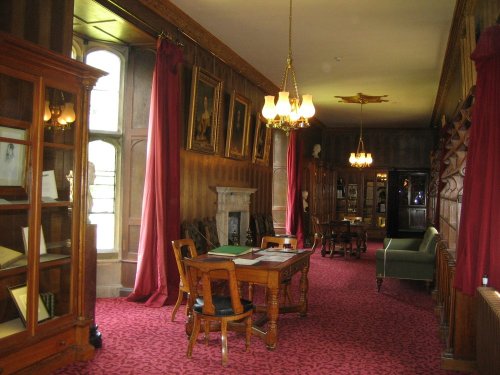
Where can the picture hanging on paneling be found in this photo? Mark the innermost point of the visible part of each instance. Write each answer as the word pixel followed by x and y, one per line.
pixel 203 123
pixel 238 127
pixel 262 141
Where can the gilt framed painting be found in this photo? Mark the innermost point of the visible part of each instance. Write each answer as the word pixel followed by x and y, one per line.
pixel 262 141
pixel 238 127
pixel 204 107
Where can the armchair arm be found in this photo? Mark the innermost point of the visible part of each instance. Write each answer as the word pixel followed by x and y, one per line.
pixel 406 256
pixel 403 243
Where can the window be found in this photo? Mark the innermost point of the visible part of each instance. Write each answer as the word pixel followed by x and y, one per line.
pixel 105 140
pixel 105 99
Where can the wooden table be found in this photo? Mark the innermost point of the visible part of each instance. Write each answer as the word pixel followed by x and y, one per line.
pixel 358 231
pixel 270 275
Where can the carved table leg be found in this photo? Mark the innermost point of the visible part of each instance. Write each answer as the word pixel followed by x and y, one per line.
pixel 304 287
pixel 272 314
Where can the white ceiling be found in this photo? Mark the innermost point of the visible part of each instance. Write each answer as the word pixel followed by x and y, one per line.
pixel 342 47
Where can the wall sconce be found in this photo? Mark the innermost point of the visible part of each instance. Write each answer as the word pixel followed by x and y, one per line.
pixel 59 112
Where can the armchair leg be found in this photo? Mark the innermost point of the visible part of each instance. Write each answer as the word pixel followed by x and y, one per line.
pixel 379 283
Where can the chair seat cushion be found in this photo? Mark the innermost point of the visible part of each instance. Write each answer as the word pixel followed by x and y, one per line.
pixel 408 256
pixel 222 305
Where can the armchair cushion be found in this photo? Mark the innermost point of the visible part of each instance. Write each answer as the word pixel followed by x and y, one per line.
pixel 408 258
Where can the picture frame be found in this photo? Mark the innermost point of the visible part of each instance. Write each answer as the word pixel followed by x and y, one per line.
pixel 13 157
pixel 262 141
pixel 352 191
pixel 203 124
pixel 19 294
pixel 238 126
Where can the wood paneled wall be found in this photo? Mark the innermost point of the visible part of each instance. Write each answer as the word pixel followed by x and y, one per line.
pixel 390 148
pixel 44 22
pixel 200 173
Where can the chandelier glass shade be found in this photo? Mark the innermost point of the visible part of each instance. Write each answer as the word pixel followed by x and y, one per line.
pixel 59 113
pixel 288 113
pixel 361 158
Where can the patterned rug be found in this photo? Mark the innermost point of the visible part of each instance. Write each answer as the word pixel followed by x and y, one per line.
pixel 350 329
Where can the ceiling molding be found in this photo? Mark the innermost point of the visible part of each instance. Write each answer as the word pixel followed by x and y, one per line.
pixel 194 31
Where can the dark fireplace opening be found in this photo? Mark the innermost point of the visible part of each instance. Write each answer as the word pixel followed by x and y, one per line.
pixel 233 227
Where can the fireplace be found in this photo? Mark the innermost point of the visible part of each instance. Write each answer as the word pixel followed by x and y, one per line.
pixel 232 203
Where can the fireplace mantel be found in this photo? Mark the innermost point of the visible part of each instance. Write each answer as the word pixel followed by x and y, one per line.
pixel 233 199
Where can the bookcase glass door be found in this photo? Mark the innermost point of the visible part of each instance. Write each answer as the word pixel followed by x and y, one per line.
pixel 59 179
pixel 16 124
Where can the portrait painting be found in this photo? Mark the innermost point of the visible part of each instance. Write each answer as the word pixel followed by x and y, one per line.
pixel 262 141
pixel 204 112
pixel 238 127
pixel 12 157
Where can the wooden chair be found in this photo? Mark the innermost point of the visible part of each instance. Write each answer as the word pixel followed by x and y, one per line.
pixel 211 235
pixel 341 237
pixel 178 246
pixel 208 307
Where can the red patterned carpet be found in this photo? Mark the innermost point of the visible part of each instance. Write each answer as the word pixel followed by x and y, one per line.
pixel 350 329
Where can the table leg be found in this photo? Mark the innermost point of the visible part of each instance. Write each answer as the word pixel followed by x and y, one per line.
pixel 304 287
pixel 272 315
pixel 189 316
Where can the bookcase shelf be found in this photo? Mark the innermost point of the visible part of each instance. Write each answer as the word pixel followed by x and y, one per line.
pixel 53 262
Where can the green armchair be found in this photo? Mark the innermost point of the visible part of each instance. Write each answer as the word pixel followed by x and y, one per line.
pixel 408 258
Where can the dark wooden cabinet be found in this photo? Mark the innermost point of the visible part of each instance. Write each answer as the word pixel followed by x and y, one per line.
pixel 44 314
pixel 361 196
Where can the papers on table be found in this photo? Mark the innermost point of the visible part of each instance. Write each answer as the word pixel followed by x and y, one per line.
pixel 246 262
pixel 275 256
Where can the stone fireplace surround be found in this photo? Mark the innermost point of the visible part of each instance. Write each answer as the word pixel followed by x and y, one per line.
pixel 232 199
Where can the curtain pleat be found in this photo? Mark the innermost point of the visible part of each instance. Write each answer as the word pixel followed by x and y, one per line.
pixel 157 278
pixel 294 223
pixel 478 249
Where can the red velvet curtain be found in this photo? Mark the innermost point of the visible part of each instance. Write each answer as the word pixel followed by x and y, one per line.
pixel 293 223
pixel 157 278
pixel 478 249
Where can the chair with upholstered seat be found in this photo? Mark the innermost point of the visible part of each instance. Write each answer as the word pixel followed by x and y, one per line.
pixel 180 247
pixel 208 307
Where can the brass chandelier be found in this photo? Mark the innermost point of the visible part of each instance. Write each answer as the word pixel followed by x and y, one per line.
pixel 288 113
pixel 361 158
pixel 59 113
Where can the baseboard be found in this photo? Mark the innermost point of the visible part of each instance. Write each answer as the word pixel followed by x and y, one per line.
pixel 108 291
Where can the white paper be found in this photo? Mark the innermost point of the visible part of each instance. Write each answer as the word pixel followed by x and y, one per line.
pixel 49 187
pixel 43 247
pixel 246 262
pixel 276 257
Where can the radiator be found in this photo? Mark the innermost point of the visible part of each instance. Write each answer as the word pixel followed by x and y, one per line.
pixel 488 331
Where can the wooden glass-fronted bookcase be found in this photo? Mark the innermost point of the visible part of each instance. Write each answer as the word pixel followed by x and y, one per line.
pixel 43 324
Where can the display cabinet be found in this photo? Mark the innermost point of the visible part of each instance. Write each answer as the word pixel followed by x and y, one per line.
pixel 361 198
pixel 44 99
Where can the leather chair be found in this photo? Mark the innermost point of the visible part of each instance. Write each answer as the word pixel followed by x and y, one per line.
pixel 178 246
pixel 208 307
pixel 408 258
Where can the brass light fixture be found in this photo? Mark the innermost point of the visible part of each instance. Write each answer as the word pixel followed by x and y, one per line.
pixel 361 158
pixel 59 113
pixel 288 113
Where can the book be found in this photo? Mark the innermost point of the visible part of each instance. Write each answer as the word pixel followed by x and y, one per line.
pixel 230 251
pixel 43 247
pixel 49 187
pixel 9 256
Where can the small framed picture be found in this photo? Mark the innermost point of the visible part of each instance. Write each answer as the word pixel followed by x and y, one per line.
pixel 19 294
pixel 204 107
pixel 238 127
pixel 262 141
pixel 12 157
pixel 352 191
